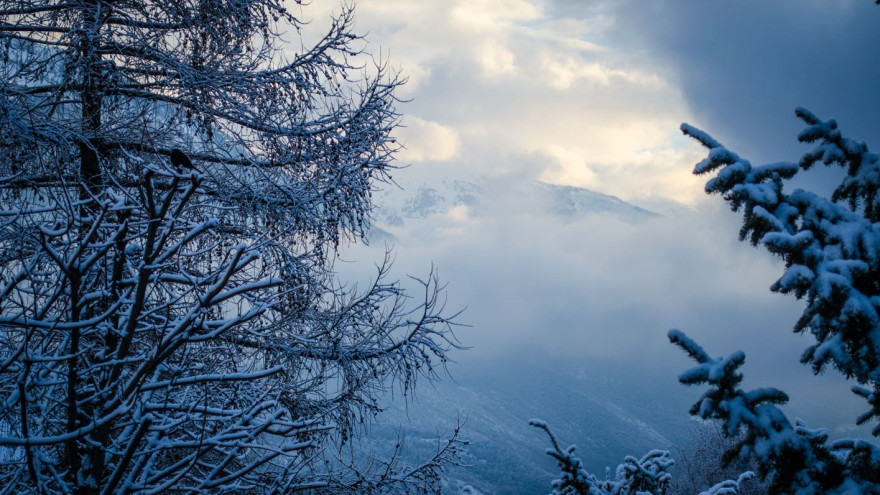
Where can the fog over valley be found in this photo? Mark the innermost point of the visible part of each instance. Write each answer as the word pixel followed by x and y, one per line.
pixel 567 312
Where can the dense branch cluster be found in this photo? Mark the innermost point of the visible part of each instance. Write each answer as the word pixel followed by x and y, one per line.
pixel 831 249
pixel 801 460
pixel 649 475
pixel 297 136
pixel 174 328
pixel 700 461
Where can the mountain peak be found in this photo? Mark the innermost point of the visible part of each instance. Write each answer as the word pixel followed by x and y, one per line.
pixel 395 207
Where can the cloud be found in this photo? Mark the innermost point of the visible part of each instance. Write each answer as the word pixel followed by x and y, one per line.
pixel 562 71
pixel 493 15
pixel 744 66
pixel 600 289
pixel 611 81
pixel 426 141
pixel 571 169
pixel 424 34
pixel 495 59
pixel 592 94
pixel 513 80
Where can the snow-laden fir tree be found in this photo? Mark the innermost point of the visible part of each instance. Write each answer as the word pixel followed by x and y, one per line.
pixel 649 475
pixel 175 177
pixel 700 461
pixel 831 249
pixel 646 475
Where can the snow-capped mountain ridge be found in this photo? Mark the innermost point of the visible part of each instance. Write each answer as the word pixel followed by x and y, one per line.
pixel 570 201
pixel 396 206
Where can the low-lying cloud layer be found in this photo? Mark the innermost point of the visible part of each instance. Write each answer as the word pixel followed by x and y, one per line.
pixel 598 288
pixel 591 94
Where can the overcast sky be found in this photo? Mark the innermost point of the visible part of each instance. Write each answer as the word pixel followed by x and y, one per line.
pixel 591 94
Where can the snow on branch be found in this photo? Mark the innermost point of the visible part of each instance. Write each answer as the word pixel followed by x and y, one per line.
pixel 799 460
pixel 648 475
pixel 175 182
pixel 831 246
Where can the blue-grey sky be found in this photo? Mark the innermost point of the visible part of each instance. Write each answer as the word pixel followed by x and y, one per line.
pixel 591 94
pixel 743 66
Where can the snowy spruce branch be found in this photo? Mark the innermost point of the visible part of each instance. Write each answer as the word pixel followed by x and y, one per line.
pixel 831 249
pixel 800 460
pixel 647 475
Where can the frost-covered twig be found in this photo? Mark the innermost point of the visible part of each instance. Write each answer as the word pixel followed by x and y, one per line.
pixel 648 475
pixel 176 325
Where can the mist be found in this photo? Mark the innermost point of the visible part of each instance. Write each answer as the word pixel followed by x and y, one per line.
pixel 591 95
pixel 598 289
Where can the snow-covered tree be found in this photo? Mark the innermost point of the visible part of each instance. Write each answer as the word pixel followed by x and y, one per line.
pixel 175 178
pixel 831 249
pixel 700 461
pixel 649 475
pixel 646 475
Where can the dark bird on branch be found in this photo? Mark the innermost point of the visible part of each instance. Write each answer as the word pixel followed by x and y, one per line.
pixel 179 159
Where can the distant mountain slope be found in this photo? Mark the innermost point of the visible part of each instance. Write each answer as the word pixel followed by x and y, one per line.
pixel 568 201
pixel 608 411
pixel 396 206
